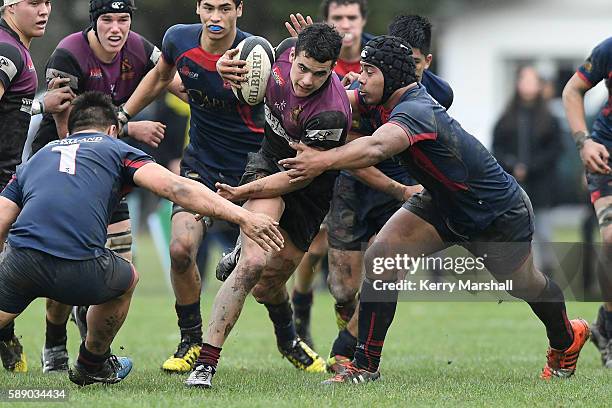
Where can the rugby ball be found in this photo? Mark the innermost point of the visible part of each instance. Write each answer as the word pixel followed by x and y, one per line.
pixel 259 56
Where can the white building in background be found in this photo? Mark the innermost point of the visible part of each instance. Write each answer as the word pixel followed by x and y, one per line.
pixel 479 49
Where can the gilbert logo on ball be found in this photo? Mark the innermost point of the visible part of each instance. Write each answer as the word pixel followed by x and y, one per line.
pixel 259 56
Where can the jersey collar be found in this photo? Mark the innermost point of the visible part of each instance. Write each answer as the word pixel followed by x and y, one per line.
pixel 4 26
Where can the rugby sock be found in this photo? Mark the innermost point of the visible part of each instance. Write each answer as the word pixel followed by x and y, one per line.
pixel 209 355
pixel 344 345
pixel 344 311
pixel 55 334
pixel 551 311
pixel 376 312
pixel 89 360
pixel 282 319
pixel 7 332
pixel 302 303
pixel 608 324
pixel 190 321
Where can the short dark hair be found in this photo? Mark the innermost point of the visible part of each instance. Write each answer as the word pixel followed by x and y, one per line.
pixel 319 41
pixel 236 2
pixel 92 110
pixel 325 4
pixel 414 29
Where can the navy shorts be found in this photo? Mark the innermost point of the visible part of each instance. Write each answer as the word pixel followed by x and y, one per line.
pixel 193 169
pixel 358 212
pixel 27 274
pixel 505 244
pixel 600 185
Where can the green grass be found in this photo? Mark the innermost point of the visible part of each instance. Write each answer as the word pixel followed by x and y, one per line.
pixel 436 354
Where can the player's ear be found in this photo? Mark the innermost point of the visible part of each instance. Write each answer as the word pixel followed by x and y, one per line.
pixel 112 130
pixel 239 10
pixel 292 55
pixel 428 60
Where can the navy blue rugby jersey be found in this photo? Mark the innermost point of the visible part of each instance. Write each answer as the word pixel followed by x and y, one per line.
pixel 223 130
pixel 469 187
pixel 438 88
pixel 68 191
pixel 597 68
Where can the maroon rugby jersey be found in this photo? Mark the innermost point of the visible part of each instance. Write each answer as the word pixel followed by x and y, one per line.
pixel 18 77
pixel 73 58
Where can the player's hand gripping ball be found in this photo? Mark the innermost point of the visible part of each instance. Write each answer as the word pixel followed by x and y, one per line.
pixel 259 56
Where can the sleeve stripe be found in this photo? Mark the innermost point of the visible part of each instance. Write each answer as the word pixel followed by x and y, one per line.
pixel 155 55
pixel 404 128
pixel 415 138
pixel 56 73
pixel 8 67
pixel 584 78
pixel 136 164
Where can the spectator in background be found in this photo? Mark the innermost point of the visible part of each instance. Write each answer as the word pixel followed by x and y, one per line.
pixel 525 141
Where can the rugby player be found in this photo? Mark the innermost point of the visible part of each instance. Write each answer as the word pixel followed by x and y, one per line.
pixel 349 18
pixel 304 102
pixel 370 209
pixel 595 151
pixel 222 133
pixel 363 200
pixel 56 244
pixel 468 199
pixel 21 21
pixel 107 57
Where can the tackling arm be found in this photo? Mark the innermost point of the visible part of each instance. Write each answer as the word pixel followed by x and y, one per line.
pixel 271 186
pixel 387 141
pixel 193 196
pixel 378 180
pixel 150 87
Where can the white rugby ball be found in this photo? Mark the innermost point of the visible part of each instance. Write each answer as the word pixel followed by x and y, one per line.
pixel 259 56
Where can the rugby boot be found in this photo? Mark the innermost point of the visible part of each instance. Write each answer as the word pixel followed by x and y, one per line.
pixel 12 356
pixel 201 376
pixel 54 359
pixel 228 262
pixel 185 357
pixel 352 375
pixel 113 370
pixel 335 364
pixel 562 363
pixel 302 357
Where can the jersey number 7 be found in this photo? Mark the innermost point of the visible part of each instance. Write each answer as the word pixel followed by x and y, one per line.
pixel 67 158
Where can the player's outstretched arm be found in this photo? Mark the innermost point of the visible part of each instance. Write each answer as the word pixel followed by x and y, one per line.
pixel 177 88
pixel 271 186
pixel 594 155
pixel 380 181
pixel 387 141
pixel 150 87
pixel 8 214
pixel 194 196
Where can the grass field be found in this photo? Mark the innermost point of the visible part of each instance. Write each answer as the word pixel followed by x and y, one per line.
pixel 436 354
